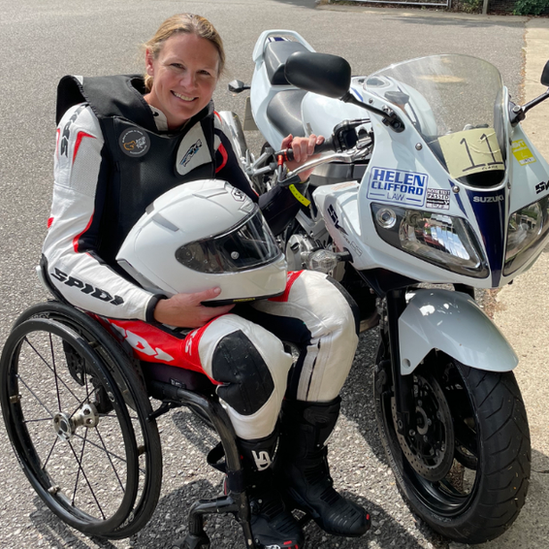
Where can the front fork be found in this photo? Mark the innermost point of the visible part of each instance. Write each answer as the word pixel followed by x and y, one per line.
pixel 403 387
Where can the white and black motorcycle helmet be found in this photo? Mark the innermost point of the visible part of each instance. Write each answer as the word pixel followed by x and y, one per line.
pixel 200 235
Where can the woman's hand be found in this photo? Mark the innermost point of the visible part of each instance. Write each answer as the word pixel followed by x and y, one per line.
pixel 303 148
pixel 186 310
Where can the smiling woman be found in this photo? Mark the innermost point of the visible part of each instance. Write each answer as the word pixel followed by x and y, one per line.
pixel 127 147
pixel 184 77
pixel 184 60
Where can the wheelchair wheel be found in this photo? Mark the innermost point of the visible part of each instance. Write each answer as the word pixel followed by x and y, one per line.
pixel 76 413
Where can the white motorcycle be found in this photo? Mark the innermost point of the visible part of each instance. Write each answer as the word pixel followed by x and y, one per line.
pixel 431 190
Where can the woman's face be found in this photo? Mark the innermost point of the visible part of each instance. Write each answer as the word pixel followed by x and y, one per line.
pixel 184 77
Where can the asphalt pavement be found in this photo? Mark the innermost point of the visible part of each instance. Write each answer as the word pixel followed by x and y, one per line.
pixel 42 41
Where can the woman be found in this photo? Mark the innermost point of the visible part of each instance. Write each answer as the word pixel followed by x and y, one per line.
pixel 122 141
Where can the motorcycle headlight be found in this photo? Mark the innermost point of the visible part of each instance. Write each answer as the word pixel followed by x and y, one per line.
pixel 443 240
pixel 527 231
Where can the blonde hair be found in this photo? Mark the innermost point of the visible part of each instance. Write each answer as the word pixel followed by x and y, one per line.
pixel 186 23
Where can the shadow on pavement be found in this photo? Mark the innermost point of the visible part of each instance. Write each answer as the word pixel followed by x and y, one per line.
pixel 57 534
pixel 448 20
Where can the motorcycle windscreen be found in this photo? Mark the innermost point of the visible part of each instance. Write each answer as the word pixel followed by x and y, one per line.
pixel 456 103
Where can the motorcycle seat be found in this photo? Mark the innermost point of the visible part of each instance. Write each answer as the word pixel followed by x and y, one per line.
pixel 284 112
pixel 276 54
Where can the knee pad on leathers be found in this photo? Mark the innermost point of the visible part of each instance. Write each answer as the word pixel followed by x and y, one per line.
pixel 247 381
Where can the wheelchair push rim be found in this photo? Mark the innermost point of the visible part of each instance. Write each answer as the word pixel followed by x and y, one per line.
pixel 129 379
pixel 69 426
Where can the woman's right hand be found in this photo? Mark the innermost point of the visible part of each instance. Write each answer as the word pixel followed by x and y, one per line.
pixel 187 311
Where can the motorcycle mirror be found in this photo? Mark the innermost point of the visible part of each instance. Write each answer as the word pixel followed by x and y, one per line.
pixel 545 75
pixel 320 73
pixel 237 86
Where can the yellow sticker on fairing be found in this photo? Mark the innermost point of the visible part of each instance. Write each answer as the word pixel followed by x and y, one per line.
pixel 522 153
pixel 471 151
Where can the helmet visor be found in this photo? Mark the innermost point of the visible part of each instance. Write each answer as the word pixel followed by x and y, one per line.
pixel 247 245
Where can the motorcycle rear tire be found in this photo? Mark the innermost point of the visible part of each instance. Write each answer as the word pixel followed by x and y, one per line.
pixel 476 492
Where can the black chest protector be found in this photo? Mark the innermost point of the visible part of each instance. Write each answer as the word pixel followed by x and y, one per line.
pixel 139 163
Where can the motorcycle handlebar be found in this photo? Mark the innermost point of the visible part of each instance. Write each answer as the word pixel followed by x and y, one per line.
pixel 326 146
pixel 343 138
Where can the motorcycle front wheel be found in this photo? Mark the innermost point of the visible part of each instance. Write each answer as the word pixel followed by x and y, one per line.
pixel 465 469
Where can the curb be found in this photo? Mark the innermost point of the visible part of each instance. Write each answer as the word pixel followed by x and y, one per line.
pixel 422 12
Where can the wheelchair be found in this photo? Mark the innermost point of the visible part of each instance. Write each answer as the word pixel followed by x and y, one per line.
pixel 78 412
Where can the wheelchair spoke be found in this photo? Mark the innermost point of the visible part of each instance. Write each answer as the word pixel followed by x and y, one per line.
pixel 44 465
pixel 80 466
pixel 50 368
pixel 36 397
pixel 55 372
pixel 85 399
pixel 87 482
pixel 108 454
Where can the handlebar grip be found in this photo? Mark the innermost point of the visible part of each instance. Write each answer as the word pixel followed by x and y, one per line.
pixel 326 145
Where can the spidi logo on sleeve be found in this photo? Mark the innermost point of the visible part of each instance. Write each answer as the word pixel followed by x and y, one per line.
pixel 192 151
pixel 397 186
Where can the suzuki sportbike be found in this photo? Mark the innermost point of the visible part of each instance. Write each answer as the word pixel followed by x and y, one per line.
pixel 429 190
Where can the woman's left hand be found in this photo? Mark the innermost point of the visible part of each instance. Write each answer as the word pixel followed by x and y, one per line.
pixel 303 148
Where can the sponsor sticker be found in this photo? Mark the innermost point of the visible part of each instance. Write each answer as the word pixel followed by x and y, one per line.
pixel 438 199
pixel 399 186
pixel 522 153
pixel 134 142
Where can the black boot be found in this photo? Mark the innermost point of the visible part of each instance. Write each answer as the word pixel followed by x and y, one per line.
pixel 272 523
pixel 302 464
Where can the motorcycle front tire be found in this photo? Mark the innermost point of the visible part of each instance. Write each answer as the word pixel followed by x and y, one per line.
pixel 465 469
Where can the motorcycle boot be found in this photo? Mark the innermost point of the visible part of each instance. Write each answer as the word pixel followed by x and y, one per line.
pixel 272 523
pixel 302 466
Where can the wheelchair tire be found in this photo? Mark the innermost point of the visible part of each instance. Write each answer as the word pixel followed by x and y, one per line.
pixel 114 477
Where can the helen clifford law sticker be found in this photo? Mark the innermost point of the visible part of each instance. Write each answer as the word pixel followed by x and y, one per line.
pixel 398 186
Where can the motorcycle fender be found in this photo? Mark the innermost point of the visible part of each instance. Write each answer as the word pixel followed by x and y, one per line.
pixel 453 323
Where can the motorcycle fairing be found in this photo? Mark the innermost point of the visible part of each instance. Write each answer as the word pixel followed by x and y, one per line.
pixel 526 171
pixel 491 214
pixel 394 153
pixel 486 212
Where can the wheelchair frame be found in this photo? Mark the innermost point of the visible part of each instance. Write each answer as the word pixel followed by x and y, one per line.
pixel 110 388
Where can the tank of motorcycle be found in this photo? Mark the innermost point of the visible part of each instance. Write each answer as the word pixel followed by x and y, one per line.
pixel 458 196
